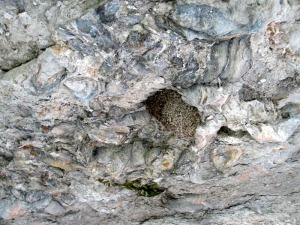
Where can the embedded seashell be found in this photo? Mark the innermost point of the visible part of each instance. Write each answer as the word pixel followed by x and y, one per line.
pixel 205 22
pixel 44 80
pixel 205 133
pixel 225 157
pixel 239 60
pixel 108 134
pixel 118 162
pixel 82 88
pixel 203 18
pixel 273 133
pixel 228 61
pixel 116 166
pixel 62 129
pixel 206 96
pixel 217 61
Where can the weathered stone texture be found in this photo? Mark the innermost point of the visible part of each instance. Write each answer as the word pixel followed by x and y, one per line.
pixel 149 112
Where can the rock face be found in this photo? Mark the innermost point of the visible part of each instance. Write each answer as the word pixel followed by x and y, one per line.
pixel 150 112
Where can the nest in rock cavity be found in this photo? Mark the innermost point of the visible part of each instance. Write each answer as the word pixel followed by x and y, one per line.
pixel 176 115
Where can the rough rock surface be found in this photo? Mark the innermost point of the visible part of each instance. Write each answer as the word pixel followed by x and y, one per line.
pixel 82 139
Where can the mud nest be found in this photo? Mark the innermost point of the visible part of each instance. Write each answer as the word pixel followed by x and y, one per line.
pixel 176 115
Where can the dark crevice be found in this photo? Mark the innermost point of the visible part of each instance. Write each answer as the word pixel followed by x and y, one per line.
pixel 5 70
pixel 228 132
pixel 36 55
pixel 150 189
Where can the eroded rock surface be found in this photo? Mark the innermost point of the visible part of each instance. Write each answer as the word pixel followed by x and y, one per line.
pixel 150 112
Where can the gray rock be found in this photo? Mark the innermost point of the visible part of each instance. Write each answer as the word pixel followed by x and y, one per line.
pixel 149 112
pixel 55 208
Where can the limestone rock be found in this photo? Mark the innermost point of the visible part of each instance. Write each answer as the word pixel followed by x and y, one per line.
pixel 149 112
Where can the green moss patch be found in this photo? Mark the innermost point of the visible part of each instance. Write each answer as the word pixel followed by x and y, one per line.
pixel 148 190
